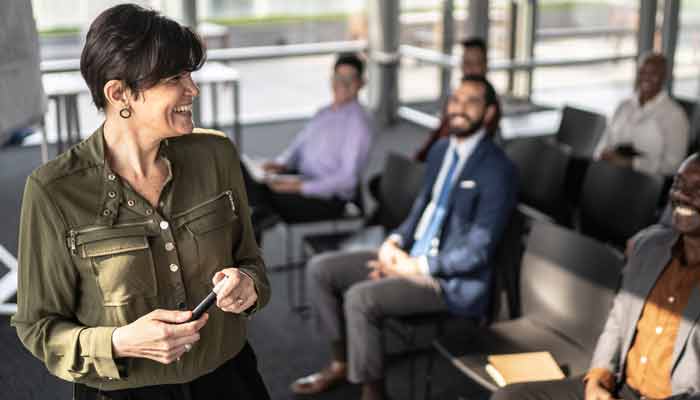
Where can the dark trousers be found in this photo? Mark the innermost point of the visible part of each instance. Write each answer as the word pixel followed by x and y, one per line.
pixel 291 207
pixel 565 389
pixel 237 379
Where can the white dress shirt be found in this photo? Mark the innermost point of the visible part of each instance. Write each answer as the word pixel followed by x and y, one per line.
pixel 658 129
pixel 465 148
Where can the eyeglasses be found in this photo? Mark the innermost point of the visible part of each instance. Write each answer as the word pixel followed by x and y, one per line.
pixel 344 79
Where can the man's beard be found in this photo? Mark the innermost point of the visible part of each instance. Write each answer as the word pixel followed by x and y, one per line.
pixel 465 132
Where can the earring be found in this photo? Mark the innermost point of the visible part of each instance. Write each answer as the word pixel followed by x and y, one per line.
pixel 125 112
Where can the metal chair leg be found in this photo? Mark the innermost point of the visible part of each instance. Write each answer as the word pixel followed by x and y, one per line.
pixel 429 375
pixel 412 368
pixel 291 293
pixel 439 332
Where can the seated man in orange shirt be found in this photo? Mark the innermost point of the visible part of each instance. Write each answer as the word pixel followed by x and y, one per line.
pixel 650 345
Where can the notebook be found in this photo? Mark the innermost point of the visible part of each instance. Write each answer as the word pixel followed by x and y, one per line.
pixel 254 168
pixel 505 369
pixel 258 173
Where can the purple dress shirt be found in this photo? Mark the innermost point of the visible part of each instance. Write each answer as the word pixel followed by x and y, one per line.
pixel 331 150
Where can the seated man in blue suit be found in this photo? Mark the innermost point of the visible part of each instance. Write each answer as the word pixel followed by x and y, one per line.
pixel 437 260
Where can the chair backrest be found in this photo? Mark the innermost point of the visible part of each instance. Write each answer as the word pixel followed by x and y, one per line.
pixel 617 202
pixel 542 167
pixel 580 130
pixel 568 282
pixel 688 107
pixel 402 180
pixel 506 268
pixel 355 208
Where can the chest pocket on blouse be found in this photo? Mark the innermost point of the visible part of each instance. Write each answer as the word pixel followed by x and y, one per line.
pixel 214 230
pixel 121 260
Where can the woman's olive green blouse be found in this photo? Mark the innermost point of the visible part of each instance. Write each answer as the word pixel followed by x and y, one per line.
pixel 94 255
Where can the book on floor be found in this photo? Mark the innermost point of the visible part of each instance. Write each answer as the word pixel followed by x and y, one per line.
pixel 505 369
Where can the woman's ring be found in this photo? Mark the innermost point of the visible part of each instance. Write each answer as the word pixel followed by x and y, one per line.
pixel 239 301
pixel 188 347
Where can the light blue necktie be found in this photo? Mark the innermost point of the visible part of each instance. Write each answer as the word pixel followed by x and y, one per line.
pixel 422 245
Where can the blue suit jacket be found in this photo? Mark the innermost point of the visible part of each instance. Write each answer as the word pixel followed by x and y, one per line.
pixel 479 208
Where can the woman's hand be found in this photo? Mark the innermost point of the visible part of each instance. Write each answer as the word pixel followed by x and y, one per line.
pixel 160 335
pixel 238 293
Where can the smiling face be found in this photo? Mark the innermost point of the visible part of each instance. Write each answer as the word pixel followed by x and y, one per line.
pixel 685 198
pixel 346 83
pixel 466 109
pixel 166 108
pixel 651 77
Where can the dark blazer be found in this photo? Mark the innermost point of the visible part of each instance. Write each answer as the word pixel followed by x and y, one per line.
pixel 478 210
pixel 649 257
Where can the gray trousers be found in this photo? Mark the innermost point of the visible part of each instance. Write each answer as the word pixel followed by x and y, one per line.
pixel 350 307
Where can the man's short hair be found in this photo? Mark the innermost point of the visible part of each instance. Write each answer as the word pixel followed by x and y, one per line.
pixel 475 42
pixel 491 99
pixel 489 92
pixel 139 47
pixel 352 60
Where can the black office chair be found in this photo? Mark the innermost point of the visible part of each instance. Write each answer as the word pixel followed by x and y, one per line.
pixel 580 131
pixel 617 202
pixel 354 211
pixel 402 180
pixel 567 285
pixel 688 107
pixel 542 167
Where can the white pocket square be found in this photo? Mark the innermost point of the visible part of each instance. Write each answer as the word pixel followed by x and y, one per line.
pixel 468 184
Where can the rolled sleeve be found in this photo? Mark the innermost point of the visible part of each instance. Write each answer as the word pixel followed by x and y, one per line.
pixel 98 342
pixel 47 292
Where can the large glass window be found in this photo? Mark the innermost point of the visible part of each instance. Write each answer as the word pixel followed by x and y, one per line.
pixel 687 57
pixel 269 88
pixel 422 26
pixel 580 31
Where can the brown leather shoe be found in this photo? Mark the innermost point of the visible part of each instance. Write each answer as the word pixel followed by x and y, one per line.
pixel 318 382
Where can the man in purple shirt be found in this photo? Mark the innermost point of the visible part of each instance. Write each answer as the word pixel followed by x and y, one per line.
pixel 327 156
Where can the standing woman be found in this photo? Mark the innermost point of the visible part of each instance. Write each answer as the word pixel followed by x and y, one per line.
pixel 128 230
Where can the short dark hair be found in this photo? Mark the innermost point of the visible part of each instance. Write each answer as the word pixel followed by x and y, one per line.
pixel 491 98
pixel 475 42
pixel 139 47
pixel 352 60
pixel 489 92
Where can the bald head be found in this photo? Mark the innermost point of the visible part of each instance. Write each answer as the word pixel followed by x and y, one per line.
pixel 651 76
pixel 685 197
